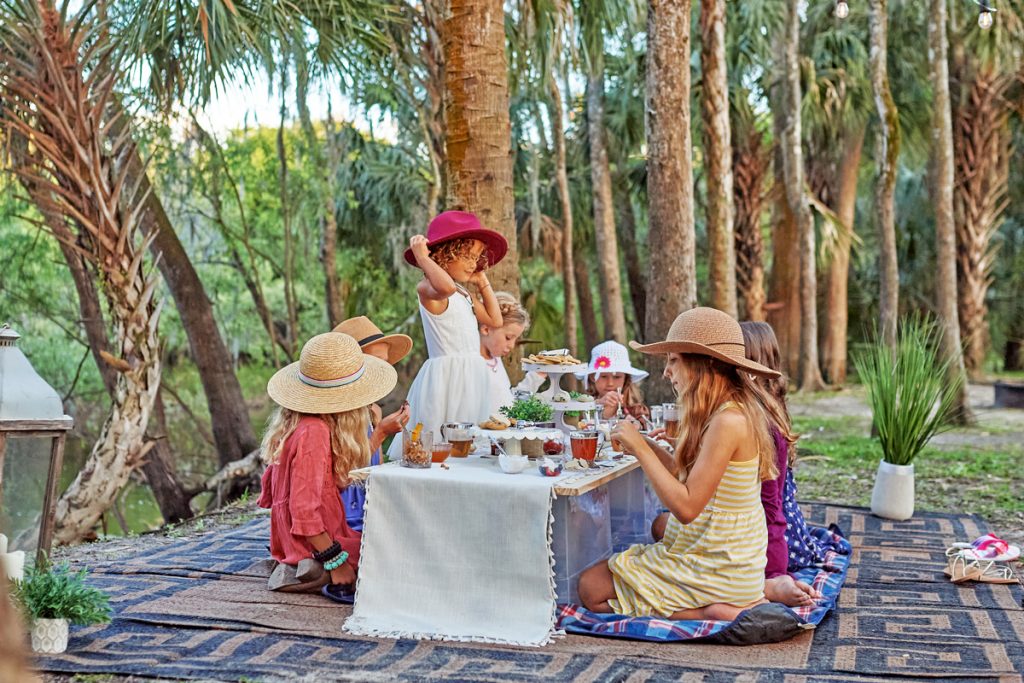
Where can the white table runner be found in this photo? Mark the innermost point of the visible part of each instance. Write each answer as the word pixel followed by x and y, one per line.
pixel 457 554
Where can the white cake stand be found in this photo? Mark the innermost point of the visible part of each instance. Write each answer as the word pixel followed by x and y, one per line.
pixel 555 373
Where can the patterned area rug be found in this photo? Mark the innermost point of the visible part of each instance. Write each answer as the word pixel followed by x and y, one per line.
pixel 199 610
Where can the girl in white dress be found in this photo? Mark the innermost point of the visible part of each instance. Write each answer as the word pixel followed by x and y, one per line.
pixel 452 385
pixel 498 342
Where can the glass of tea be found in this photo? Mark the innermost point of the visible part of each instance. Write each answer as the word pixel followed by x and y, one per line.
pixel 583 443
pixel 416 453
pixel 460 436
pixel 670 413
pixel 440 451
pixel 657 417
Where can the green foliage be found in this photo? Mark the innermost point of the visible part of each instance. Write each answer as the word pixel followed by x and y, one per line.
pixel 528 410
pixel 908 389
pixel 49 592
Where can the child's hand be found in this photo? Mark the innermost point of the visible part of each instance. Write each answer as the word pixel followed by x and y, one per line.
pixel 418 244
pixel 344 575
pixel 609 403
pixel 627 436
pixel 396 421
pixel 479 278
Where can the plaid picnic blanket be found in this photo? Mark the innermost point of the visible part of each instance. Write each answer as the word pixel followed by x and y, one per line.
pixel 766 623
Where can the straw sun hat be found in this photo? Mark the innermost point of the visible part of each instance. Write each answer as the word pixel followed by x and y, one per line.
pixel 332 375
pixel 365 332
pixel 707 332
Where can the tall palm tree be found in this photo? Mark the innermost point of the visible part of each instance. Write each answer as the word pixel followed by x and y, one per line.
pixel 985 72
pixel 714 101
pixel 809 377
pixel 887 152
pixel 672 284
pixel 55 111
pixel 945 227
pixel 594 15
pixel 479 143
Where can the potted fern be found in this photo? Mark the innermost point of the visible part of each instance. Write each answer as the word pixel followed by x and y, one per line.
pixel 911 399
pixel 53 597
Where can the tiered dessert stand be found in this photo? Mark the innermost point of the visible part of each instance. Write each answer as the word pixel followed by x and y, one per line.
pixel 555 374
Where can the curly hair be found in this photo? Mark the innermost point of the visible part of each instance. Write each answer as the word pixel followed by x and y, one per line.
pixel 452 250
pixel 350 445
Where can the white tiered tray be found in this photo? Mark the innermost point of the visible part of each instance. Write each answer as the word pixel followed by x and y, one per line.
pixel 555 373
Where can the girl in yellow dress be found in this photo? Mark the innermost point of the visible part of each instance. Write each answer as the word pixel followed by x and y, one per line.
pixel 710 563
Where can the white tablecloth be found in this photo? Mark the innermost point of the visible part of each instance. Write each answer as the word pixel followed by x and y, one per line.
pixel 458 554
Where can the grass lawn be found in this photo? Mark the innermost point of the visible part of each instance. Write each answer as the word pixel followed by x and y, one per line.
pixel 970 471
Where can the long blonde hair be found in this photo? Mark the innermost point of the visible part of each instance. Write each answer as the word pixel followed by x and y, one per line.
pixel 350 445
pixel 711 383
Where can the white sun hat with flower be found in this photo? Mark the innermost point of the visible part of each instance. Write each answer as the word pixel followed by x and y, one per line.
pixel 611 357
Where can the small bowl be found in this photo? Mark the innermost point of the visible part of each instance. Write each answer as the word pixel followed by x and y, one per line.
pixel 513 464
pixel 550 468
pixel 440 451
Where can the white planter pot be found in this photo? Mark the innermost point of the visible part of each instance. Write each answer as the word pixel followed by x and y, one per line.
pixel 893 495
pixel 50 636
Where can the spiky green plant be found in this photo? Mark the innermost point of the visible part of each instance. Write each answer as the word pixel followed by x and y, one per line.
pixel 49 592
pixel 909 391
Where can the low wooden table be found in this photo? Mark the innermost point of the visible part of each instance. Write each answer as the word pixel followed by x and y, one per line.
pixel 595 512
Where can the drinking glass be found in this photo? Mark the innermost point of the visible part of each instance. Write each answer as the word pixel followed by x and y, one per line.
pixel 670 414
pixel 416 454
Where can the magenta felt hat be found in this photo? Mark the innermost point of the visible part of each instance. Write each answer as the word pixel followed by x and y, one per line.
pixel 452 225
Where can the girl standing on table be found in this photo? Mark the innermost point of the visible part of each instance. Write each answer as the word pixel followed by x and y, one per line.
pixel 452 384
pixel 710 564
pixel 391 348
pixel 612 381
pixel 314 439
pixel 498 342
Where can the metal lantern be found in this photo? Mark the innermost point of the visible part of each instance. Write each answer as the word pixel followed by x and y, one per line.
pixel 32 425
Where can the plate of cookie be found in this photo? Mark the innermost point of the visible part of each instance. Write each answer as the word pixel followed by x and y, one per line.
pixel 553 361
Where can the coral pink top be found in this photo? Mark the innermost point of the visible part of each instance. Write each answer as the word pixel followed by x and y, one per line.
pixel 303 499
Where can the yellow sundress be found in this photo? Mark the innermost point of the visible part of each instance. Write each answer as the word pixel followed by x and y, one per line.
pixel 718 558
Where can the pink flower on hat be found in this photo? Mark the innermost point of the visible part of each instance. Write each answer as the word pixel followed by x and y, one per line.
pixel 602 362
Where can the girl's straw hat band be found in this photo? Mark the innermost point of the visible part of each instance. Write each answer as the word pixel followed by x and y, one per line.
pixel 372 338
pixel 332 383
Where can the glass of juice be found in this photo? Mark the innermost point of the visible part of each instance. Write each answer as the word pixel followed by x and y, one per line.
pixel 671 416
pixel 584 444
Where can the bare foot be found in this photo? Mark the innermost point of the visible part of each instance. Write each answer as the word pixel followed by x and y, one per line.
pixel 658 526
pixel 790 592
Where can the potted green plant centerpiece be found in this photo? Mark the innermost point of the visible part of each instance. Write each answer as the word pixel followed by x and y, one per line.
pixel 53 597
pixel 530 412
pixel 911 398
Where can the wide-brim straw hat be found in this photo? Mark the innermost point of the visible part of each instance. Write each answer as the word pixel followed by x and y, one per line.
pixel 365 333
pixel 707 332
pixel 332 375
pixel 452 225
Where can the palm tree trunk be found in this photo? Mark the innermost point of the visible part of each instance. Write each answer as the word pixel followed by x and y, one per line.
pixel 604 212
pixel 750 166
pixel 981 142
pixel 562 180
pixel 945 226
pixel 288 269
pixel 672 283
pixel 793 176
pixel 718 155
pixel 887 152
pixel 158 467
pixel 588 316
pixel 229 417
pixel 834 356
pixel 478 165
pixel 634 270
pixel 784 312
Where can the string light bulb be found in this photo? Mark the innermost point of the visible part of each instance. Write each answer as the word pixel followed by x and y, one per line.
pixel 843 10
pixel 985 19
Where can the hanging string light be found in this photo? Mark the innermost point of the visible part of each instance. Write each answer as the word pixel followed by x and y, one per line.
pixel 985 11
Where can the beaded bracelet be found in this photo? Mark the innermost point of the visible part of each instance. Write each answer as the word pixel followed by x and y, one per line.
pixel 331 565
pixel 328 553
